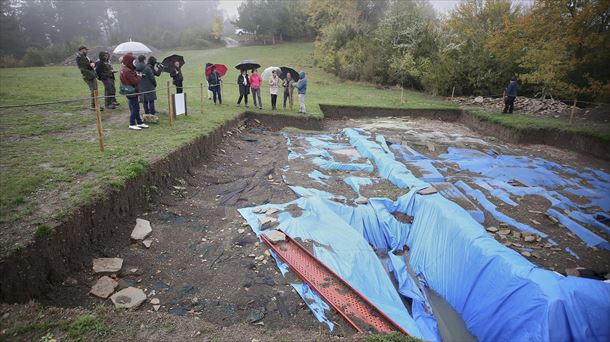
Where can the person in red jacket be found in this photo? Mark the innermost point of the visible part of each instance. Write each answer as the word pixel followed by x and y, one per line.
pixel 129 77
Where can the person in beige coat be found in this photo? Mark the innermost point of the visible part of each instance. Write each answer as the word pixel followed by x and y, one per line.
pixel 274 83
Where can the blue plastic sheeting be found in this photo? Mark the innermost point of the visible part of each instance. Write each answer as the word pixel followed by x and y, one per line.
pixel 339 247
pixel 409 154
pixel 491 208
pixel 495 192
pixel 571 252
pixel 318 176
pixel 429 172
pixel 333 165
pixel 590 219
pixel 449 191
pixel 356 182
pixel 500 295
pixel 420 309
pixel 590 238
pixel 389 168
pixel 317 306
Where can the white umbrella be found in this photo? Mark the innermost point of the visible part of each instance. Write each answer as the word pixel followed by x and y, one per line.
pixel 133 47
pixel 267 73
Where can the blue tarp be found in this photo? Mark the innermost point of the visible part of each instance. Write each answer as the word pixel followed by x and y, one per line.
pixel 500 295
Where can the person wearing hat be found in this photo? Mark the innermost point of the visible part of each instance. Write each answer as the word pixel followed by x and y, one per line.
pixel 87 69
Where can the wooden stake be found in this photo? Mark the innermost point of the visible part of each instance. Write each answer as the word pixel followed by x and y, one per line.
pixel 98 121
pixel 452 92
pixel 201 98
pixel 573 112
pixel 402 94
pixel 169 105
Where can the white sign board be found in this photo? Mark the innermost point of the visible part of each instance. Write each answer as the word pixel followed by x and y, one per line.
pixel 179 104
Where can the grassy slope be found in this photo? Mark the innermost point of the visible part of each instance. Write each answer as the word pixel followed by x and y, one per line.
pixel 50 153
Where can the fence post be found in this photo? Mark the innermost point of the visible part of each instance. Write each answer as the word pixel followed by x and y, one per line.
pixel 169 105
pixel 452 92
pixel 573 112
pixel 98 121
pixel 201 98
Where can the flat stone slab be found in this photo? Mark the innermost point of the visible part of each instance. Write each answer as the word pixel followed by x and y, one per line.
pixel 141 230
pixel 104 287
pixel 129 298
pixel 275 236
pixel 107 265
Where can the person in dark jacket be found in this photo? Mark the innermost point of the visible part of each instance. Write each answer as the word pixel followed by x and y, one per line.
pixel 129 77
pixel 176 75
pixel 214 84
pixel 103 69
pixel 148 84
pixel 511 95
pixel 288 85
pixel 244 87
pixel 86 67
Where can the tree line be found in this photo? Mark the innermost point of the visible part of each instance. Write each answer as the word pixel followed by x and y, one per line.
pixel 554 47
pixel 47 31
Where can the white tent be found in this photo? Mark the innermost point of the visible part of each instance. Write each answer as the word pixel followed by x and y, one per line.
pixel 133 47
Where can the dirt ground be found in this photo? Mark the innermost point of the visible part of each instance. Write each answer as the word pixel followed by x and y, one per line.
pixel 212 275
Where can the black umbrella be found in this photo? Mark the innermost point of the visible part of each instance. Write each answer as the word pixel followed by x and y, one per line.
pixel 247 65
pixel 293 73
pixel 168 62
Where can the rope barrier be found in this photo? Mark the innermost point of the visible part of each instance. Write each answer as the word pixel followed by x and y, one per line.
pixel 163 91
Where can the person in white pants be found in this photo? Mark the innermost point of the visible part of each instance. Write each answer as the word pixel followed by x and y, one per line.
pixel 301 86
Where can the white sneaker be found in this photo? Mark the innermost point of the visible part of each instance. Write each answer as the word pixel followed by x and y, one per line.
pixel 134 127
pixel 143 125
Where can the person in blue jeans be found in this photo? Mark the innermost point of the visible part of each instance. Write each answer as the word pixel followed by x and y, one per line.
pixel 214 85
pixel 129 77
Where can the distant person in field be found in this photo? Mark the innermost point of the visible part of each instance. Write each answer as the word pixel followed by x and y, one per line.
pixel 103 69
pixel 176 75
pixel 130 82
pixel 86 67
pixel 302 90
pixel 288 84
pixel 214 85
pixel 255 84
pixel 243 81
pixel 148 83
pixel 511 95
pixel 274 83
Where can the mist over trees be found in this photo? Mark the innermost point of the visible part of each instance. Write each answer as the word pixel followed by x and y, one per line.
pixel 558 47
pixel 52 29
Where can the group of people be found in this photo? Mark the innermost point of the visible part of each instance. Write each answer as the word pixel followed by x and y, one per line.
pixel 138 84
pixel 253 82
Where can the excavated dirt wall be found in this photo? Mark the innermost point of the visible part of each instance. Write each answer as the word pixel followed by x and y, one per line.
pixel 28 272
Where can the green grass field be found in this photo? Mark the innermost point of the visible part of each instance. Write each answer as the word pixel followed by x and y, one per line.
pixel 50 160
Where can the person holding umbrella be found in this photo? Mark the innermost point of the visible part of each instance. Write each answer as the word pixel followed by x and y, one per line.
pixel 176 75
pixel 255 84
pixel 243 82
pixel 288 84
pixel 148 84
pixel 130 82
pixel 274 82
pixel 214 84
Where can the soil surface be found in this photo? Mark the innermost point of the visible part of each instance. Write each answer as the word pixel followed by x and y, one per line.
pixel 213 277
